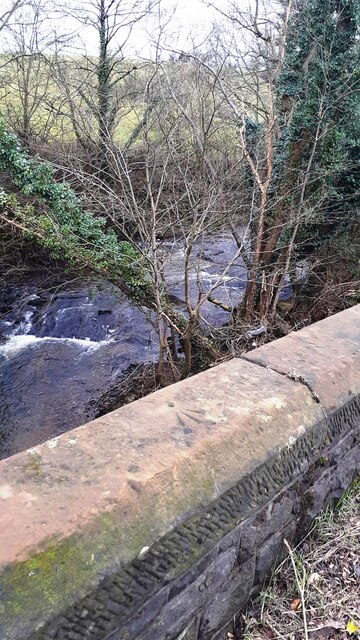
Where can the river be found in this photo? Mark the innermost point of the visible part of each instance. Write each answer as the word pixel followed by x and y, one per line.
pixel 63 345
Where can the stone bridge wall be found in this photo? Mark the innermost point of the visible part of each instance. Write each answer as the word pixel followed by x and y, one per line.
pixel 158 521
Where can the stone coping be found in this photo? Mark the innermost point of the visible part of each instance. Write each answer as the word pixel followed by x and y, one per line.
pixel 81 507
pixel 323 356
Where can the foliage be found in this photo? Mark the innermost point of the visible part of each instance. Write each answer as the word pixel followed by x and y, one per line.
pixel 58 221
pixel 312 149
pixel 321 82
pixel 274 135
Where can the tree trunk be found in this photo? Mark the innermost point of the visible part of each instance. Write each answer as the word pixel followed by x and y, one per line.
pixel 103 89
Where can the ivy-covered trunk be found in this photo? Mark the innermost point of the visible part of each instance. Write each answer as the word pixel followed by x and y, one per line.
pixel 103 79
pixel 315 171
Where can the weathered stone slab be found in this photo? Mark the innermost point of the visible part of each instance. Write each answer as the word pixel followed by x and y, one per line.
pixel 258 542
pixel 324 356
pixel 139 525
pixel 92 499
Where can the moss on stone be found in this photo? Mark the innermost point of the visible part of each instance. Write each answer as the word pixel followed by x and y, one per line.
pixel 39 589
pixel 307 500
pixel 45 581
pixel 64 572
pixel 51 581
pixel 33 466
pixel 323 461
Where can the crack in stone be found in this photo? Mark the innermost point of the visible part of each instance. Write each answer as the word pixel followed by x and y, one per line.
pixel 296 376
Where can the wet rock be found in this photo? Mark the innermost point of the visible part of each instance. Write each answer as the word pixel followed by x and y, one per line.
pixel 59 353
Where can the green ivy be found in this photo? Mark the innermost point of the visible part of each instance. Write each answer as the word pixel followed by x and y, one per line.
pixel 332 49
pixel 60 223
pixel 322 71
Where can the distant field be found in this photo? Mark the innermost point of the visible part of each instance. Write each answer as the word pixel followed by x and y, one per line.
pixel 28 88
pixel 50 100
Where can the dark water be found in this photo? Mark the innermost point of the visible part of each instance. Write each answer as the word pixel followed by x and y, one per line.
pixel 64 346
pixel 61 351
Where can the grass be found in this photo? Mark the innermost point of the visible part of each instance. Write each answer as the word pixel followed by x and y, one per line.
pixel 315 593
pixel 47 106
pixel 49 111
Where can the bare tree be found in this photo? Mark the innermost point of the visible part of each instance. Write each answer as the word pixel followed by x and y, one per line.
pixel 168 193
pixel 289 190
pixel 215 147
pixel 30 104
pixel 97 88
pixel 10 10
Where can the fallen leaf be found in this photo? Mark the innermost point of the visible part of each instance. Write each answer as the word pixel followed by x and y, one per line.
pixel 314 578
pixel 351 627
pixel 295 604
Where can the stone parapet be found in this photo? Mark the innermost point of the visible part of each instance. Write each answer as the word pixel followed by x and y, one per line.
pixel 159 520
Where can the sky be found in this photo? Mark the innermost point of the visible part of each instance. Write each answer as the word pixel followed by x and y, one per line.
pixel 183 24
pixel 181 20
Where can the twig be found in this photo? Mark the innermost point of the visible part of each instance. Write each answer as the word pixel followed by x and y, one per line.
pixel 301 588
